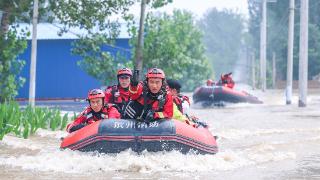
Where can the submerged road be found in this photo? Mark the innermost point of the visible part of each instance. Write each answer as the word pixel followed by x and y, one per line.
pixel 267 141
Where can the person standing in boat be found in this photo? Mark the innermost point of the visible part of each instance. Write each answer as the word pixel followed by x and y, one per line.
pixel 96 111
pixel 226 80
pixel 119 94
pixel 150 99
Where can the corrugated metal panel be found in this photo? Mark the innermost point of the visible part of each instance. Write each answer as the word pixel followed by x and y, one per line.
pixel 50 31
pixel 58 75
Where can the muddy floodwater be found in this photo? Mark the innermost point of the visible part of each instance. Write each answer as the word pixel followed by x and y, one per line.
pixel 267 141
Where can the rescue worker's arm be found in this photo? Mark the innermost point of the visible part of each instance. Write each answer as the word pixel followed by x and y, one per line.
pixel 108 95
pixel 134 81
pixel 177 114
pixel 167 109
pixel 135 87
pixel 185 104
pixel 186 98
pixel 135 91
pixel 81 119
pixel 113 113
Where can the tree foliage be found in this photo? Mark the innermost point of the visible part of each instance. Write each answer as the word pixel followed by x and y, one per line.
pixel 97 18
pixel 97 61
pixel 223 37
pixel 93 16
pixel 11 46
pixel 12 43
pixel 277 33
pixel 173 43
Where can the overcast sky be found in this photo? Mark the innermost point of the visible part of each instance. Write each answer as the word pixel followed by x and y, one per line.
pixel 199 7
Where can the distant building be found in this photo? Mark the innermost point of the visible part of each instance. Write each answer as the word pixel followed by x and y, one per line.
pixel 58 76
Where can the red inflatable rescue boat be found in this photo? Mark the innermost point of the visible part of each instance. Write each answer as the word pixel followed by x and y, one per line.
pixel 116 135
pixel 214 94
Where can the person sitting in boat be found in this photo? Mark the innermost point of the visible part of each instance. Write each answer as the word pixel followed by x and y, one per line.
pixel 96 111
pixel 181 101
pixel 226 80
pixel 181 105
pixel 210 82
pixel 150 99
pixel 119 94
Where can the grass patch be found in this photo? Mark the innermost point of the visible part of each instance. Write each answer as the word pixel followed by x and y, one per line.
pixel 24 122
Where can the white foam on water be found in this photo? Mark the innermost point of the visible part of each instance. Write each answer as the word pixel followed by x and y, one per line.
pixel 243 104
pixel 315 138
pixel 49 133
pixel 272 156
pixel 267 152
pixel 67 161
pixel 70 113
pixel 77 162
pixel 241 133
pixel 16 142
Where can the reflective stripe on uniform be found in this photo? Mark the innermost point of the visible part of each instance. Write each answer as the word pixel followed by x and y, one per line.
pixel 89 115
pixel 160 114
pixel 133 92
pixel 130 111
pixel 177 114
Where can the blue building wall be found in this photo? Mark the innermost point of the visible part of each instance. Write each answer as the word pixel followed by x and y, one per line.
pixel 58 75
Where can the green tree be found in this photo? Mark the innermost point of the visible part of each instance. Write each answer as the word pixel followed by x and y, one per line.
pixel 173 43
pixel 223 35
pixel 95 18
pixel 97 61
pixel 277 31
pixel 11 46
pixel 12 43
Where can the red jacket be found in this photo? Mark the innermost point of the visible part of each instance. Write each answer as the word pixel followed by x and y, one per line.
pixel 227 81
pixel 136 93
pixel 117 95
pixel 88 116
pixel 229 85
pixel 178 100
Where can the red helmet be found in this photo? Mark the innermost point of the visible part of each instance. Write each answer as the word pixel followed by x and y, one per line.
pixel 95 93
pixel 225 76
pixel 155 73
pixel 124 71
pixel 209 82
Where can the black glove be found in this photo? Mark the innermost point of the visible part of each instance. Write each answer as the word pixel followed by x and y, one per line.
pixel 135 78
pixel 77 127
pixel 129 111
pixel 203 124
pixel 149 116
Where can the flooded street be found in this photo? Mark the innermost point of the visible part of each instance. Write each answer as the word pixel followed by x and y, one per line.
pixel 267 141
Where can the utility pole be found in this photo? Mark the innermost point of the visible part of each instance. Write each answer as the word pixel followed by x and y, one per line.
pixel 263 45
pixel 32 87
pixel 274 71
pixel 303 53
pixel 253 70
pixel 290 53
pixel 139 48
pixel 1 15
